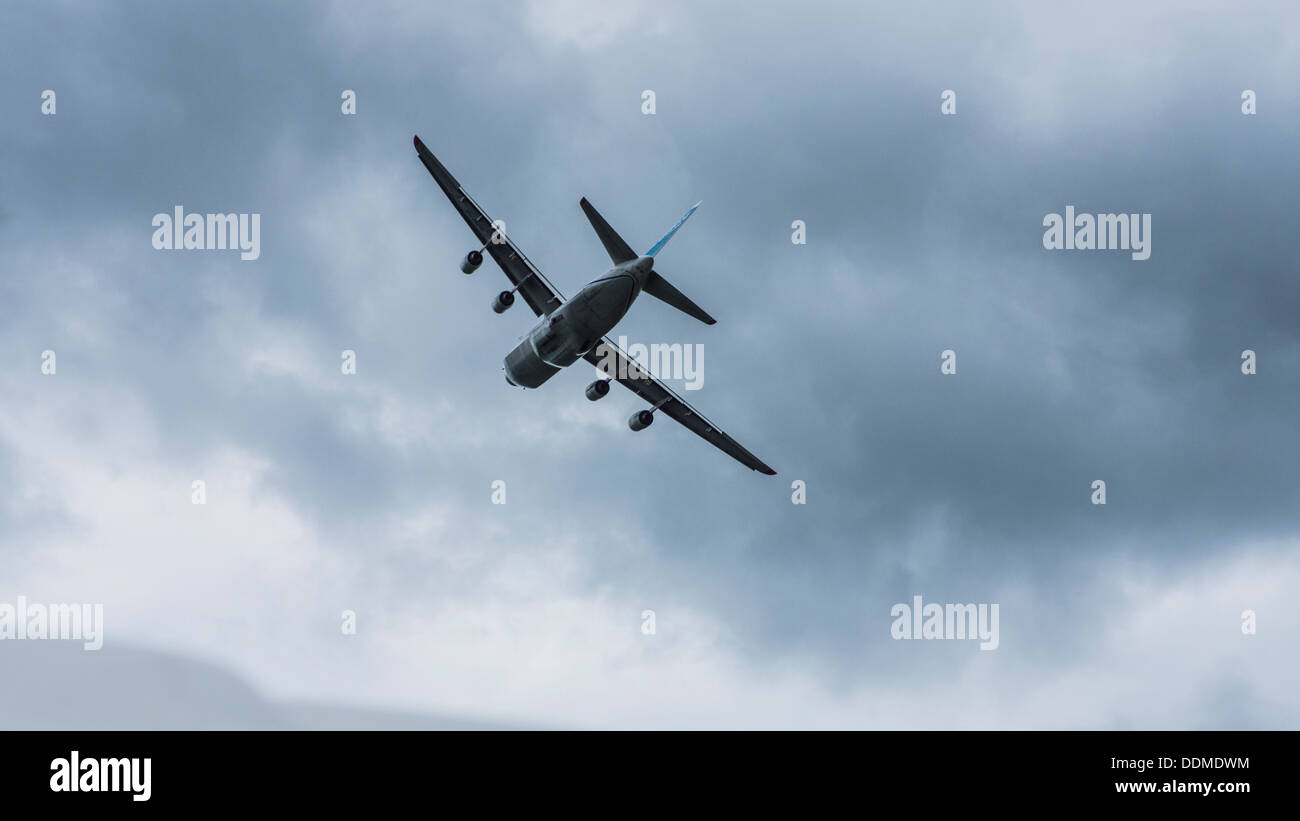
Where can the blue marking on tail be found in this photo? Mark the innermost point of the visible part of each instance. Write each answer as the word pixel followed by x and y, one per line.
pixel 658 246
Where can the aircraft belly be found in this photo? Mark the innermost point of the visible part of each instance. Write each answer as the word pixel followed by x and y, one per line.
pixel 561 339
pixel 606 301
pixel 525 368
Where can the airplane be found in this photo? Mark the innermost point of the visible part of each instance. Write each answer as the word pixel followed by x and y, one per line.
pixel 578 328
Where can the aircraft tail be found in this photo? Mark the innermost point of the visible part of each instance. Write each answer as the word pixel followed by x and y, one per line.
pixel 659 246
pixel 660 288
pixel 655 285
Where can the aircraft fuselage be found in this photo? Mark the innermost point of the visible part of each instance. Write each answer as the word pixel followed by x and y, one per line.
pixel 563 337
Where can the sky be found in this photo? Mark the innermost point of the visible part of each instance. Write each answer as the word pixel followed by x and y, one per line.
pixel 372 492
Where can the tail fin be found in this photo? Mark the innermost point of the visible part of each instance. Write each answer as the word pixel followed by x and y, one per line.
pixel 619 251
pixel 659 246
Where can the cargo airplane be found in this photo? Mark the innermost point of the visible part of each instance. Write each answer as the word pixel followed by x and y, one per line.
pixel 578 328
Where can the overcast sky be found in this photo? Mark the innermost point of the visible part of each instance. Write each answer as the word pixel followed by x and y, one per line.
pixel 372 492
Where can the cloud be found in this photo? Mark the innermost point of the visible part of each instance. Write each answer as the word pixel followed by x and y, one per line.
pixel 371 492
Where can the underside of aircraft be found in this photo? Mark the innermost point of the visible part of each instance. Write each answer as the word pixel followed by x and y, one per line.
pixel 578 328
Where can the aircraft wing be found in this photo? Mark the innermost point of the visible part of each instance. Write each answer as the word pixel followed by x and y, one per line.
pixel 639 381
pixel 536 290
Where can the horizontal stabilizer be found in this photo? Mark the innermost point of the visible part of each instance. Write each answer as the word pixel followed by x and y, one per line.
pixel 660 288
pixel 619 251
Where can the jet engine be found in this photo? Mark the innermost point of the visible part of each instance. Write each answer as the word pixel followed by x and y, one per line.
pixel 640 420
pixel 471 262
pixel 597 389
pixel 503 301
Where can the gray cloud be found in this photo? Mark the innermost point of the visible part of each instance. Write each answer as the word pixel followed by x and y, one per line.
pixel 924 235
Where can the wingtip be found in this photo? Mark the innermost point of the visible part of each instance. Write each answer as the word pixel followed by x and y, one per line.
pixel 583 201
pixel 768 472
pixel 419 145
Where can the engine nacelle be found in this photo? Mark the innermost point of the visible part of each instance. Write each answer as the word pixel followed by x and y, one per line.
pixel 503 301
pixel 640 420
pixel 471 262
pixel 598 389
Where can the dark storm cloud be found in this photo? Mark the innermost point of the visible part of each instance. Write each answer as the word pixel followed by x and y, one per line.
pixel 924 234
